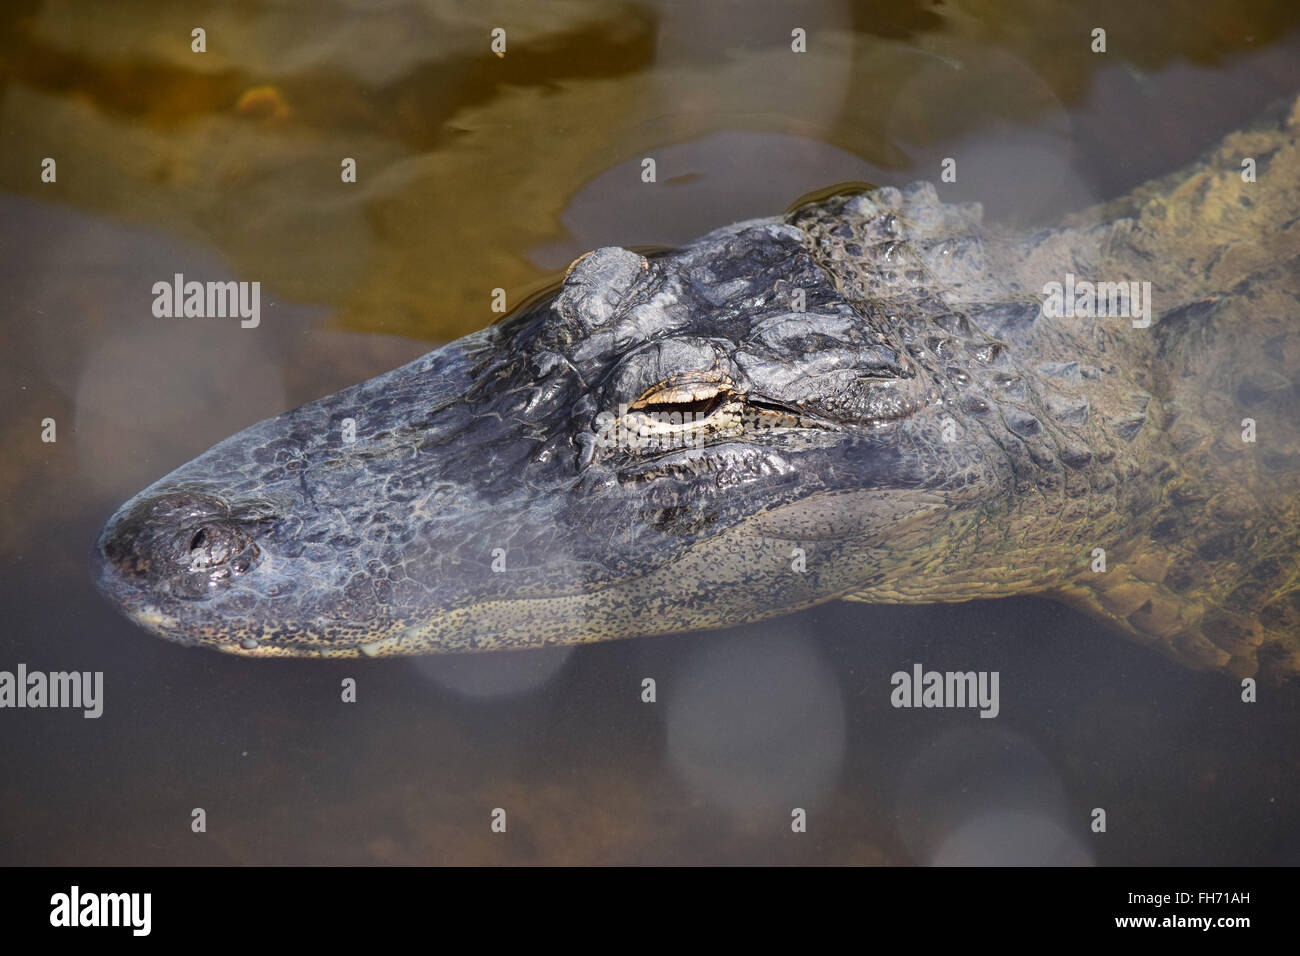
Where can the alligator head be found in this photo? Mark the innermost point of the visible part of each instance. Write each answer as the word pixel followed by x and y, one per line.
pixel 709 437
pixel 864 398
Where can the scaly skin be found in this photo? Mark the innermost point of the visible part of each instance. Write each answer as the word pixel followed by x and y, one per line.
pixel 875 408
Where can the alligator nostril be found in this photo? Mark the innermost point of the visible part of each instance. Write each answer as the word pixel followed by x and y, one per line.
pixel 182 544
pixel 214 546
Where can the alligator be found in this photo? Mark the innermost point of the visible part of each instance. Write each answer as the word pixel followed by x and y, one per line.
pixel 867 398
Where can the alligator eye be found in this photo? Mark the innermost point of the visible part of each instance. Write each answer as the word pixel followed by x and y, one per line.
pixel 683 412
pixel 696 399
pixel 697 408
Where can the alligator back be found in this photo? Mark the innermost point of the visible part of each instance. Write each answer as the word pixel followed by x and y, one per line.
pixel 1215 573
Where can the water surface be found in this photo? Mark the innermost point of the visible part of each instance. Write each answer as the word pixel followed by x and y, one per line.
pixel 477 172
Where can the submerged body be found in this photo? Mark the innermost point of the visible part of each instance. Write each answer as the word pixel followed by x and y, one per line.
pixel 863 399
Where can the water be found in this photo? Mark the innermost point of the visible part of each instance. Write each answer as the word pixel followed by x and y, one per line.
pixel 478 172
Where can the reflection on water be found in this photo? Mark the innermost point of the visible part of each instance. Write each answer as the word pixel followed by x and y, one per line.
pixel 984 795
pixel 755 724
pixel 493 675
pixel 477 172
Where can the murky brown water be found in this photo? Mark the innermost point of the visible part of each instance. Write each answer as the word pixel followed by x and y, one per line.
pixel 476 172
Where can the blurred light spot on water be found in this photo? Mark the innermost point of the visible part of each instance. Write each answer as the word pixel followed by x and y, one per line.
pixel 713 63
pixel 1011 838
pixel 725 177
pixel 1021 161
pixel 496 674
pixel 756 723
pixel 984 795
pixel 145 387
pixel 1028 172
